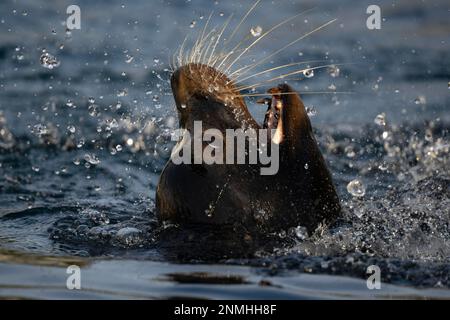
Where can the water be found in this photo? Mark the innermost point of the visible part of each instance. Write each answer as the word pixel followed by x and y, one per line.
pixel 82 145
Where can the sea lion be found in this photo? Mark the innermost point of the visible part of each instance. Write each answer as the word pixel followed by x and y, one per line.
pixel 237 195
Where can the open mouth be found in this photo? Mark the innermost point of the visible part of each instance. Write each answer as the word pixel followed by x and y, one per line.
pixel 272 119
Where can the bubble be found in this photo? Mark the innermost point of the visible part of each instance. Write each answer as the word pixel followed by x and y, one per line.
pixel 69 103
pixel 306 166
pixel 119 147
pixel 308 73
pixel 49 61
pixel 356 188
pixel 130 142
pixel 256 31
pixel 91 100
pixel 380 119
pixel 193 23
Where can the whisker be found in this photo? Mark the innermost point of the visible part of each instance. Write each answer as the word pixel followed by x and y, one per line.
pixel 276 68
pixel 289 93
pixel 180 56
pixel 288 45
pixel 202 55
pixel 264 35
pixel 287 75
pixel 233 51
pixel 242 21
pixel 200 38
pixel 218 38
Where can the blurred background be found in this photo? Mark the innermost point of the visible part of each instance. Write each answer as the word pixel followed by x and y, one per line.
pixel 86 118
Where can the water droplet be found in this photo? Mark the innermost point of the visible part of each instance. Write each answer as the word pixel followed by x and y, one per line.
pixel 71 129
pixel 80 143
pixel 91 158
pixel 129 236
pixel 332 87
pixel 334 71
pixel 349 152
pixel 428 135
pixel 301 233
pixel 122 93
pixel 129 58
pixel 380 119
pixel 308 73
pixel 256 31
pixel 49 61
pixel 69 103
pixel 91 100
pixel 311 111
pixel 420 100
pixel 193 23
pixel 130 142
pixel 383 166
pixel 40 129
pixel 93 111
pixel 119 147
pixel 356 188
pixel 183 106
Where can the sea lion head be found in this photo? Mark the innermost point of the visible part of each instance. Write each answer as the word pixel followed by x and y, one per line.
pixel 202 93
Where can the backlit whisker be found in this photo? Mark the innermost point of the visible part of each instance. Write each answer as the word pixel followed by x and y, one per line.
pixel 218 38
pixel 276 68
pixel 242 21
pixel 285 75
pixel 290 44
pixel 263 36
pixel 289 93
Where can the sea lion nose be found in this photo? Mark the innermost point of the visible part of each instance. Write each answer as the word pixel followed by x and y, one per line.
pixel 179 89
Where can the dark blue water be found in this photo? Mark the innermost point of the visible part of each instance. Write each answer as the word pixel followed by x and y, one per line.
pixel 82 146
